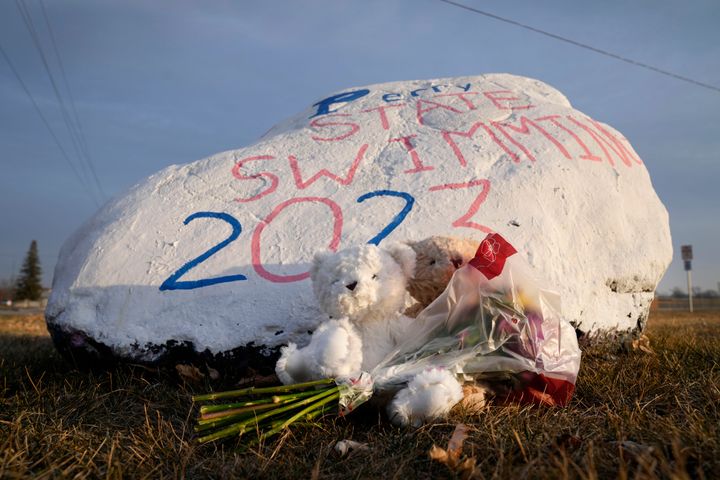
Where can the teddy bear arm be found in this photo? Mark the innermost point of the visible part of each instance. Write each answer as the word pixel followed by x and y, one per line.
pixel 403 328
pixel 336 350
pixel 414 310
pixel 475 399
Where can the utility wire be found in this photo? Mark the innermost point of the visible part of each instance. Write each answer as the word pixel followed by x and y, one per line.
pixel 585 46
pixel 30 26
pixel 74 137
pixel 46 123
pixel 83 140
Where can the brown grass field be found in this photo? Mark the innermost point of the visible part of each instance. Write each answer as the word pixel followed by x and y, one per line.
pixel 634 415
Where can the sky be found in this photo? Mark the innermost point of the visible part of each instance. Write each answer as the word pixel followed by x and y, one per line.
pixel 169 82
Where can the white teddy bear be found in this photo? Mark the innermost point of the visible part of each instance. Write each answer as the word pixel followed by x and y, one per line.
pixel 363 290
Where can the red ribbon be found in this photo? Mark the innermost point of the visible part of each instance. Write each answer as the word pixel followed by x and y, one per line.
pixel 491 255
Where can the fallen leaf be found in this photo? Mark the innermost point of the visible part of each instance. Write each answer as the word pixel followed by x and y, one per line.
pixel 634 449
pixel 568 441
pixel 467 469
pixel 455 444
pixel 343 447
pixel 439 454
pixel 630 344
pixel 189 373
pixel 452 457
pixel 213 374
pixel 643 344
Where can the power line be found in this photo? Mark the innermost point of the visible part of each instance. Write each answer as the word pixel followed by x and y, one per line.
pixel 45 122
pixel 585 46
pixel 83 140
pixel 74 136
pixel 29 25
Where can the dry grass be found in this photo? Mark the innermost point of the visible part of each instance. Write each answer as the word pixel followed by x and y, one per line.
pixel 58 422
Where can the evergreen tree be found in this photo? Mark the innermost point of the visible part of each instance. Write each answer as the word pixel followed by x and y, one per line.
pixel 29 286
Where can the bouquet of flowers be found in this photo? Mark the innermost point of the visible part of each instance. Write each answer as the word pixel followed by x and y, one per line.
pixel 492 323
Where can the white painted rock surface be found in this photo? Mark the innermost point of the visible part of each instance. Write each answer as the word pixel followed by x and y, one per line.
pixel 404 160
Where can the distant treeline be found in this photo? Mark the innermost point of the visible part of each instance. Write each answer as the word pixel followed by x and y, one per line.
pixel 698 292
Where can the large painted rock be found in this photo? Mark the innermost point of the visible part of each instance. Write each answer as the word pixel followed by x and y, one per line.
pixel 212 257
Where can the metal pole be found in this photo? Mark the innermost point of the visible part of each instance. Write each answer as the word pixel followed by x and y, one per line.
pixel 690 290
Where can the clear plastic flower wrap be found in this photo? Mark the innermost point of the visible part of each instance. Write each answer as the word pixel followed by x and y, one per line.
pixel 493 323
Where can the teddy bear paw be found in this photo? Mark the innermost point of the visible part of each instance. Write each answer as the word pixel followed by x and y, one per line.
pixel 289 360
pixel 431 394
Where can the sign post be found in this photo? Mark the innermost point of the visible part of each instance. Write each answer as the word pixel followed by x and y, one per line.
pixel 687 257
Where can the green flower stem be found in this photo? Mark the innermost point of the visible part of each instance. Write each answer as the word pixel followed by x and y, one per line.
pixel 207 421
pixel 317 406
pixel 277 424
pixel 275 399
pixel 313 415
pixel 236 411
pixel 258 391
pixel 308 417
pixel 239 428
pixel 210 425
pixel 213 424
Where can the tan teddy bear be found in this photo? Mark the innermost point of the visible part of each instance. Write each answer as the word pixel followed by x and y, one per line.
pixel 437 258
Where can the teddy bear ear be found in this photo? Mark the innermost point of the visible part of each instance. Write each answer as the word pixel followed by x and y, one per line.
pixel 404 255
pixel 411 243
pixel 317 263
